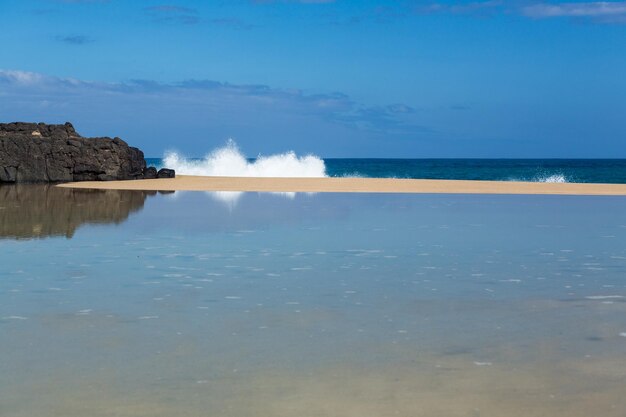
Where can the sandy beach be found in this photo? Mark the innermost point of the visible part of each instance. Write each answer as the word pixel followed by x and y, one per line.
pixel 353 185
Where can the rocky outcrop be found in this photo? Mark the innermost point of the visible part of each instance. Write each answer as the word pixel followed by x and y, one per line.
pixel 166 173
pixel 36 152
pixel 151 173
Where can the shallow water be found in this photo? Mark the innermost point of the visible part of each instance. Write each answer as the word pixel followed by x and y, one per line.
pixel 193 304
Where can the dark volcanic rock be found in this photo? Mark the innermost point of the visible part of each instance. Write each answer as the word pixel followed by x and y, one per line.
pixel 166 173
pixel 150 173
pixel 36 152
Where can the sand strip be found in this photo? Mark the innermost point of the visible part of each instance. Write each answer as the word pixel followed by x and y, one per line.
pixel 353 185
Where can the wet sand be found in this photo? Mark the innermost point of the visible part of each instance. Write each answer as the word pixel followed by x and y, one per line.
pixel 449 388
pixel 353 185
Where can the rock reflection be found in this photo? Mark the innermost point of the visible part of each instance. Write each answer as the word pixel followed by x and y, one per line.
pixel 29 211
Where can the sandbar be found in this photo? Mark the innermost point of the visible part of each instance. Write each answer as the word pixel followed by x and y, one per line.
pixel 352 185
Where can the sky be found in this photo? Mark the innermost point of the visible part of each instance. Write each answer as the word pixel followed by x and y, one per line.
pixel 336 78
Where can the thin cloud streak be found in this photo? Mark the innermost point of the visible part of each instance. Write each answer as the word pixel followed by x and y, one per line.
pixel 598 12
pixel 74 39
pixel 172 14
pixel 600 9
pixel 335 108
pixel 83 1
pixel 294 1
pixel 462 8
pixel 168 8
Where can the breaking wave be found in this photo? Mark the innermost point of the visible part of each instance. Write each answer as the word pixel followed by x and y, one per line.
pixel 560 178
pixel 228 161
pixel 552 178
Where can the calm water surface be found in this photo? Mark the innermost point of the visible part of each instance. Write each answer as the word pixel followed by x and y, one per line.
pixel 194 304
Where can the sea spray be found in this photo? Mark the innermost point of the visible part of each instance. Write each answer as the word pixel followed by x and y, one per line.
pixel 554 178
pixel 229 161
pixel 549 178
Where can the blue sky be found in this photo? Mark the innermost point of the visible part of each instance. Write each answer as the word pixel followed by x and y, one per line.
pixel 335 78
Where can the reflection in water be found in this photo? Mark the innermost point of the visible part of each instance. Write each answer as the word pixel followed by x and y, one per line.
pixel 363 305
pixel 37 211
pixel 231 198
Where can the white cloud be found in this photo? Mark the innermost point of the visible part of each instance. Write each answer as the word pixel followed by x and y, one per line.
pixel 598 9
pixel 35 88
pixel 21 77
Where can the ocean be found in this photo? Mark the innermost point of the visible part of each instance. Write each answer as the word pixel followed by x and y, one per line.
pixel 534 170
pixel 229 161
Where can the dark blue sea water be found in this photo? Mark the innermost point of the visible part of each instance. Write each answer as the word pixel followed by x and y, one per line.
pixel 536 170
pixel 541 170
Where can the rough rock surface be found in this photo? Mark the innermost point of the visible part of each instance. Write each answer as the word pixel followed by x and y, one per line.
pixel 166 173
pixel 36 152
pixel 150 173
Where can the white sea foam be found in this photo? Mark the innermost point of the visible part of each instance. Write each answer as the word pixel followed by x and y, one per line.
pixel 603 297
pixel 559 178
pixel 551 178
pixel 229 161
pixel 15 318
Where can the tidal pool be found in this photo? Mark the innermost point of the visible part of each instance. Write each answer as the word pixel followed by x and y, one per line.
pixel 192 304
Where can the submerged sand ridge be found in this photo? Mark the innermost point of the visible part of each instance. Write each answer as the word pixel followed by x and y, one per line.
pixel 353 185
